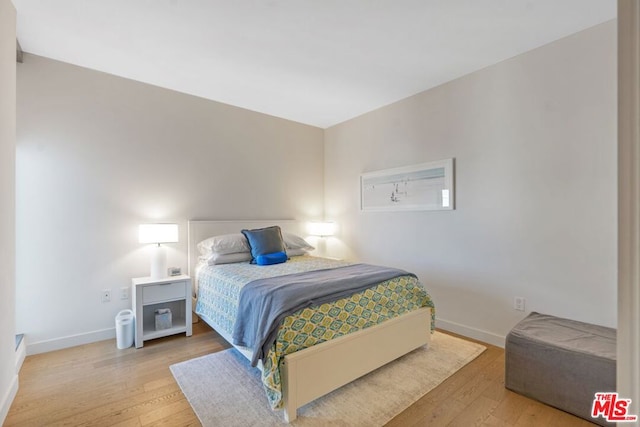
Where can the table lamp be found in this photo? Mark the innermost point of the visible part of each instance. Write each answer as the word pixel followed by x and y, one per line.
pixel 322 229
pixel 158 233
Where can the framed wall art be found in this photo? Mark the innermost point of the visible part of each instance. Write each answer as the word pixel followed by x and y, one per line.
pixel 427 186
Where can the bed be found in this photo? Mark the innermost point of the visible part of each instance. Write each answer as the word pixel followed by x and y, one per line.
pixel 301 365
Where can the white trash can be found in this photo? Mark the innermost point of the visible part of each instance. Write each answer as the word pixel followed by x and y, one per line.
pixel 125 322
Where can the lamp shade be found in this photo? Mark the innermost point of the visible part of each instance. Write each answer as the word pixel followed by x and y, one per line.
pixel 158 233
pixel 322 229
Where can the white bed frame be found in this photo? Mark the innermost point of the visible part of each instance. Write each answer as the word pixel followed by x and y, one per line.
pixel 318 370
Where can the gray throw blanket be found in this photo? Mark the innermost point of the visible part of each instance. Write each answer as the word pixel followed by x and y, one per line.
pixel 264 303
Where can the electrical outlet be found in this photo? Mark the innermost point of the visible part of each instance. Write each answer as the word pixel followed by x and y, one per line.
pixel 518 303
pixel 106 295
pixel 124 292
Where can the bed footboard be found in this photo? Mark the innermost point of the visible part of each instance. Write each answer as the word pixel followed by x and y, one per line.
pixel 315 371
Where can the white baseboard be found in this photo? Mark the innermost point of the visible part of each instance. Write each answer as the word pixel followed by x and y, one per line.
pixel 110 333
pixel 467 331
pixel 21 353
pixel 7 399
pixel 70 341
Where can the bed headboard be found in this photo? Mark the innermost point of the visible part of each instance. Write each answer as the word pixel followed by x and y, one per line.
pixel 200 230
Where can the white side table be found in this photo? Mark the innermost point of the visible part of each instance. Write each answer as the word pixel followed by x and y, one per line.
pixel 149 294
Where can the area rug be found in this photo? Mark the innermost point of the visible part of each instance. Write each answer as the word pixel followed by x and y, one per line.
pixel 224 390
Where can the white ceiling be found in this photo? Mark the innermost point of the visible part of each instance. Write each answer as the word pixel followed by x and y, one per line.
pixel 318 62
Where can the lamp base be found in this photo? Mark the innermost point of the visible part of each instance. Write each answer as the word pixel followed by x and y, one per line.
pixel 158 262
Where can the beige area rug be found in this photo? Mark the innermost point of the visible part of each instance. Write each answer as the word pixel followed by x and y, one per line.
pixel 224 390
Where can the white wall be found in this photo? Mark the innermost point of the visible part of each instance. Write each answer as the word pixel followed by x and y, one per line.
pixel 98 154
pixel 534 142
pixel 534 139
pixel 628 333
pixel 8 376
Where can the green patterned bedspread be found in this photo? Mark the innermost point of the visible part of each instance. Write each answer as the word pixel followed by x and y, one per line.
pixel 219 289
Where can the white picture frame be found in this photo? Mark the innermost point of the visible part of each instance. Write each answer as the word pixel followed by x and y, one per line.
pixel 425 186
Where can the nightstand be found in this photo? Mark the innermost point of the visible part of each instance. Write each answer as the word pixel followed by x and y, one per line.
pixel 148 295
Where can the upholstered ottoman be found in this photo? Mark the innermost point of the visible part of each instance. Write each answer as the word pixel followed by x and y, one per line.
pixel 561 362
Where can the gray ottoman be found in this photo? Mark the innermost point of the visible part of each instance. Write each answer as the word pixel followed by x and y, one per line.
pixel 561 362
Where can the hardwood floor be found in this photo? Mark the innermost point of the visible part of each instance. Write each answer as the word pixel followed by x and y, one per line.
pixel 99 385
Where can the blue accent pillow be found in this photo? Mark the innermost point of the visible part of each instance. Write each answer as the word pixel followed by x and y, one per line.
pixel 263 241
pixel 274 258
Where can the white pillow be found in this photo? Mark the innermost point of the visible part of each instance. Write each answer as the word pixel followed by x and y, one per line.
pixel 215 248
pixel 296 252
pixel 292 241
pixel 217 259
pixel 224 244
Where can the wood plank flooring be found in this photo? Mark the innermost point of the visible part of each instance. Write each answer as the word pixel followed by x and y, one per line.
pixel 99 385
